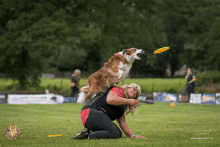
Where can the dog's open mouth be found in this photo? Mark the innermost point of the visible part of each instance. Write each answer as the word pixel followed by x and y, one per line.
pixel 138 55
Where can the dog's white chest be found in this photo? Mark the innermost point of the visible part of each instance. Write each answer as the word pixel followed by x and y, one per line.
pixel 125 68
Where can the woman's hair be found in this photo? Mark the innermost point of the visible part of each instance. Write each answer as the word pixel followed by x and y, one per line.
pixel 131 109
pixel 77 73
pixel 191 70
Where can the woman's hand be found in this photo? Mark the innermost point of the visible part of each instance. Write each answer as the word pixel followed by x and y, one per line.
pixel 134 103
pixel 138 136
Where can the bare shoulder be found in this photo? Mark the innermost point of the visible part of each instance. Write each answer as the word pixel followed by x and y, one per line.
pixel 112 93
pixel 111 96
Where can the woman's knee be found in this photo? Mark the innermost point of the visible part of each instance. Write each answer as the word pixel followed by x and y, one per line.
pixel 117 134
pixel 120 134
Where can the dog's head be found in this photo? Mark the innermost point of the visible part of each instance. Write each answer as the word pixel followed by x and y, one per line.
pixel 132 53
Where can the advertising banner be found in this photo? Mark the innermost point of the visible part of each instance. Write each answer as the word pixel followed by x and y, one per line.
pixel 195 98
pixel 146 98
pixel 217 97
pixel 171 98
pixel 2 98
pixel 208 98
pixel 35 99
pixel 160 96
pixel 70 100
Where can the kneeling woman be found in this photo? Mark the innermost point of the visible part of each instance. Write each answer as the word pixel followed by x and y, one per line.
pixel 97 115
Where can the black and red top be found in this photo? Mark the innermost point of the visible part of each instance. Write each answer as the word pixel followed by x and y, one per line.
pixel 99 103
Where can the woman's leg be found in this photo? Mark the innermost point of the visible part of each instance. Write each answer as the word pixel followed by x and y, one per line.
pixel 189 96
pixel 72 92
pixel 101 126
pixel 193 89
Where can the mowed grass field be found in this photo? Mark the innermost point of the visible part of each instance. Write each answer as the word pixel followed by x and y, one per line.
pixel 147 84
pixel 163 125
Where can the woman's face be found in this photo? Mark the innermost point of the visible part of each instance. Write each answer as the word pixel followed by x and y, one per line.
pixel 188 71
pixel 132 93
pixel 77 72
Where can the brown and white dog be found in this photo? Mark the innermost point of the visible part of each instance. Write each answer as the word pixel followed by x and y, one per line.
pixel 114 71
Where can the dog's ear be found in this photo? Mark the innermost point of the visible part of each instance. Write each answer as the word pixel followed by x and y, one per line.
pixel 125 51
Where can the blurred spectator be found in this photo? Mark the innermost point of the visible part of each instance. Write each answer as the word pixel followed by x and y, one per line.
pixel 190 82
pixel 47 92
pixel 74 83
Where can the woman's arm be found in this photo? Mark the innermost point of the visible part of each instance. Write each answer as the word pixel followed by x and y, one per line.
pixel 124 127
pixel 72 84
pixel 193 79
pixel 114 99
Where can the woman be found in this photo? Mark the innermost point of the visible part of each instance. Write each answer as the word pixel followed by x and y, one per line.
pixel 97 115
pixel 74 83
pixel 190 81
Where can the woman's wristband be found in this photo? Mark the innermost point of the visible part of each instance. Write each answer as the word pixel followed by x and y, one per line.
pixel 128 102
pixel 133 135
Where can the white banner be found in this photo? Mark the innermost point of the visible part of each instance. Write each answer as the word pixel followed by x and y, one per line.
pixel 35 99
pixel 195 98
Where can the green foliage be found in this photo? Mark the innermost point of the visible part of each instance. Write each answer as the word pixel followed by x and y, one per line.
pixel 36 36
pixel 171 90
pixel 29 36
pixel 202 79
pixel 202 36
pixel 147 85
pixel 212 77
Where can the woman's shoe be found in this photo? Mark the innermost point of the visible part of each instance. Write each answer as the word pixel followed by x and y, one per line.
pixel 82 135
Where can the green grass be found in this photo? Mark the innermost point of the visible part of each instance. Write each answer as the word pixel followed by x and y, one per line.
pixel 163 125
pixel 146 84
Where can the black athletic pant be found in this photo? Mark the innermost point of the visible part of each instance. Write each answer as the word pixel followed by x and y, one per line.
pixel 190 90
pixel 75 91
pixel 101 126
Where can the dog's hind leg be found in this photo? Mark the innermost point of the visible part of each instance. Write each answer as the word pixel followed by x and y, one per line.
pixel 82 95
pixel 90 95
pixel 93 91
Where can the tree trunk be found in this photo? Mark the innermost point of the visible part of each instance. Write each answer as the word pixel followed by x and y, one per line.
pixel 22 82
pixel 23 78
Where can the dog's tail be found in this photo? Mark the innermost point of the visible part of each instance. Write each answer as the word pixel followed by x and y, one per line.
pixel 81 98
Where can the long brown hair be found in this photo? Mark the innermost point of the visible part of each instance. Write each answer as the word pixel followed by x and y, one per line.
pixel 191 70
pixel 76 74
pixel 130 108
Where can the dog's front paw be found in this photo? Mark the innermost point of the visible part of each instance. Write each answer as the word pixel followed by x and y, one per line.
pixel 120 73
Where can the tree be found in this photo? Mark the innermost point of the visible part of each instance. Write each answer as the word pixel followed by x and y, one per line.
pixel 30 33
pixel 106 27
pixel 176 15
pixel 202 43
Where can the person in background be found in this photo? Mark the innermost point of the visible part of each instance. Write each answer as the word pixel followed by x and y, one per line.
pixel 74 83
pixel 190 82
